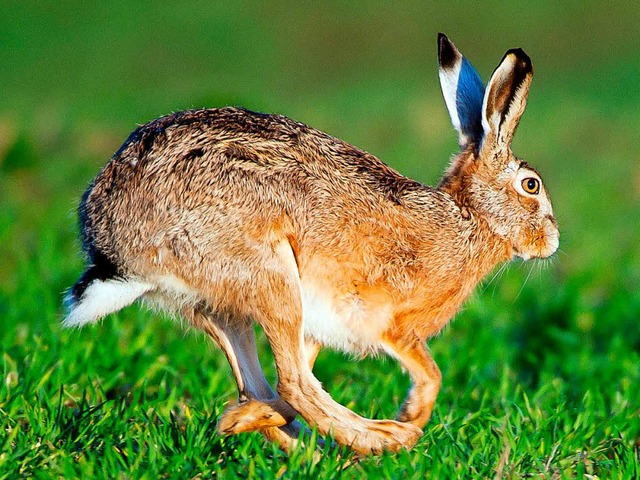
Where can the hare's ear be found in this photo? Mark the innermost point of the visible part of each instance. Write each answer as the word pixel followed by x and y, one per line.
pixel 463 92
pixel 506 97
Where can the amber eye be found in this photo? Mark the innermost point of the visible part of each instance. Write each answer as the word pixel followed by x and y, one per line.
pixel 531 185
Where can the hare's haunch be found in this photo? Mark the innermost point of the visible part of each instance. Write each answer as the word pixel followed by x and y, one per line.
pixel 229 217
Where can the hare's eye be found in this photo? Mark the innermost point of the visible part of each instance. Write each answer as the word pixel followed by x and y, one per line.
pixel 531 185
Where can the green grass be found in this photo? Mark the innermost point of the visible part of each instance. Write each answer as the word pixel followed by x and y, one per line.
pixel 541 370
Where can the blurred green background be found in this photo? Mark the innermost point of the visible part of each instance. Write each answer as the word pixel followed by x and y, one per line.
pixel 77 77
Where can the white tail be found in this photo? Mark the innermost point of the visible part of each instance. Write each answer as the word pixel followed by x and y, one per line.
pixel 101 298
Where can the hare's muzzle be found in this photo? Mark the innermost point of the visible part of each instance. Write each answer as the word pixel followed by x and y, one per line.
pixel 551 237
pixel 540 242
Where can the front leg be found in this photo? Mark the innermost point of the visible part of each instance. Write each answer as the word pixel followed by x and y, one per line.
pixel 311 348
pixel 425 379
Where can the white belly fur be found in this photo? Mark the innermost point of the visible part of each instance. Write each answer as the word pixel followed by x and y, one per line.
pixel 343 322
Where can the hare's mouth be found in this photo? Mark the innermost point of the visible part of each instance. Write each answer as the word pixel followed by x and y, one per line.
pixel 517 253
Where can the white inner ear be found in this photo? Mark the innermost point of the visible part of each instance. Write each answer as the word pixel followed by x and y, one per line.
pixel 498 78
pixel 449 83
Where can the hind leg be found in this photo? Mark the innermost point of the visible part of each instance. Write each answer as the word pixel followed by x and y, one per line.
pixel 259 407
pixel 252 414
pixel 279 312
pixel 260 412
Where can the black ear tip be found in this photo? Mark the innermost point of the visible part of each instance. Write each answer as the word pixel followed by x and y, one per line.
pixel 447 52
pixel 524 61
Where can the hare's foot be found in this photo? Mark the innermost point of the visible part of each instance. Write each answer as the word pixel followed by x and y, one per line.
pixel 388 435
pixel 360 434
pixel 255 415
pixel 270 420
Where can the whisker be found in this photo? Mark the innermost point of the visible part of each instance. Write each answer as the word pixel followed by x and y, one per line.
pixel 497 275
pixel 524 283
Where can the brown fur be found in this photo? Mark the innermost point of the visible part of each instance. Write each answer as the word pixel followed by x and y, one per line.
pixel 235 217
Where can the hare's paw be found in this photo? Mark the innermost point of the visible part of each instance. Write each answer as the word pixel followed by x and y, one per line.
pixel 249 416
pixel 255 415
pixel 387 435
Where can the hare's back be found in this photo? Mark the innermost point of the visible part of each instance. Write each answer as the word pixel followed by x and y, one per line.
pixel 242 137
pixel 197 157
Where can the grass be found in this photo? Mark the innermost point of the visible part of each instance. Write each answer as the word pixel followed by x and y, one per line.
pixel 541 370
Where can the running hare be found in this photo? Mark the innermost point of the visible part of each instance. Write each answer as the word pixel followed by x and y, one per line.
pixel 229 217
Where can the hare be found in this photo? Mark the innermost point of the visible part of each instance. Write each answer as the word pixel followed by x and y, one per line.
pixel 228 217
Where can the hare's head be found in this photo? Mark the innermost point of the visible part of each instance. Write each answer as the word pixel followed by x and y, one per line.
pixel 486 178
